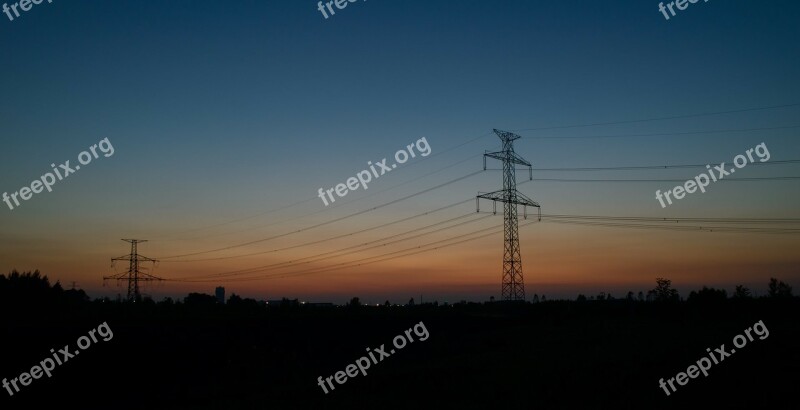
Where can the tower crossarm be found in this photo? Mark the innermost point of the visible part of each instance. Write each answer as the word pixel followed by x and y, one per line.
pixel 510 157
pixel 517 198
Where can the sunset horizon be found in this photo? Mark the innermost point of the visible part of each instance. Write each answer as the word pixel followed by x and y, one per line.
pixel 398 204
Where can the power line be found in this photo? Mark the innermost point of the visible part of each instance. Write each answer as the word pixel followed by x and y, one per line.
pixel 560 219
pixel 328 222
pixel 331 238
pixel 645 167
pixel 242 219
pixel 415 250
pixel 673 117
pixel 352 249
pixel 280 275
pixel 512 277
pixel 665 134
pixel 336 251
pixel 666 180
pixel 335 206
pixel 527 129
pixel 540 128
pixel 336 237
pixel 562 180
pixel 356 199
pixel 682 228
pixel 676 220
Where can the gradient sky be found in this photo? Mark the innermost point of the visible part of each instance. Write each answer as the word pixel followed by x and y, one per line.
pixel 219 111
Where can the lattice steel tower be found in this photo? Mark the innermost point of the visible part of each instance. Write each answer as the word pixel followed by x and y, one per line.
pixel 133 275
pixel 513 288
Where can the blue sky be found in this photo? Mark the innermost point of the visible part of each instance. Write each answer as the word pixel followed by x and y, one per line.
pixel 219 110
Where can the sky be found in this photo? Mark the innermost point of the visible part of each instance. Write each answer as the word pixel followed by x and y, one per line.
pixel 227 118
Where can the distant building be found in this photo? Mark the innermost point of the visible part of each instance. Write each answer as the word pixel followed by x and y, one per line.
pixel 220 293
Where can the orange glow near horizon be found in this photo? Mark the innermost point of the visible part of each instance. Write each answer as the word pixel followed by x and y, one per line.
pixel 554 263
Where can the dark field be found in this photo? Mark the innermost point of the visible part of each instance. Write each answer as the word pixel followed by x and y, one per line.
pixel 594 354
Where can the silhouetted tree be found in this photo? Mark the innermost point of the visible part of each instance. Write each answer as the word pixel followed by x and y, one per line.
pixel 32 292
pixel 75 296
pixel 200 300
pixel 387 304
pixel 354 302
pixel 234 299
pixel 535 298
pixel 741 292
pixel 641 296
pixel 167 301
pixel 708 295
pixel 779 289
pixel 411 302
pixel 630 296
pixel 26 282
pixel 581 298
pixel 663 291
pixel 247 304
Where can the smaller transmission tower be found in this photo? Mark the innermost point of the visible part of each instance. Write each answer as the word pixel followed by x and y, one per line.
pixel 133 275
pixel 513 287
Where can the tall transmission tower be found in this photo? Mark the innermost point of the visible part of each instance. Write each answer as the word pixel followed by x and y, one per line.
pixel 513 288
pixel 133 275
